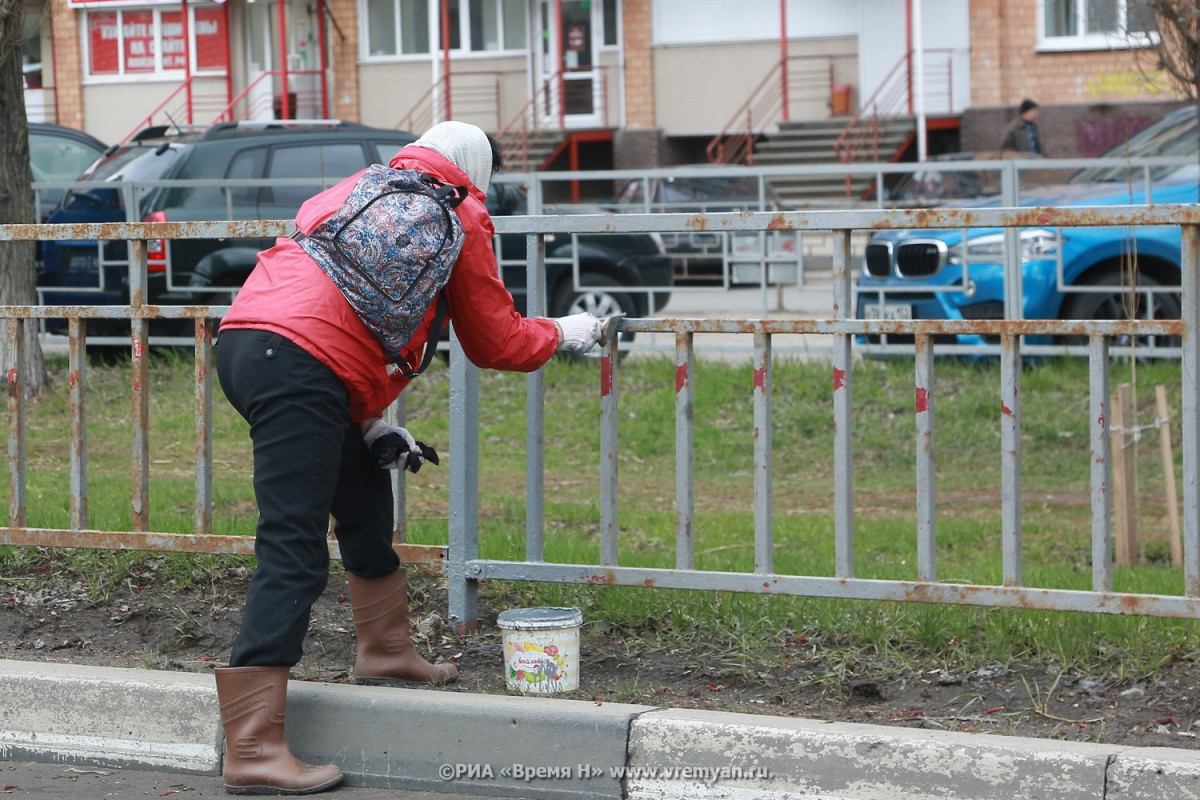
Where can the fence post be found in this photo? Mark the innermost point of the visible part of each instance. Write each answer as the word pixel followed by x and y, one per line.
pixel 1101 450
pixel 843 468
pixel 462 587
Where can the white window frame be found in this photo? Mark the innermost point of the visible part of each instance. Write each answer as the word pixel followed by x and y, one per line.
pixel 121 76
pixel 620 38
pixel 436 11
pixel 1085 40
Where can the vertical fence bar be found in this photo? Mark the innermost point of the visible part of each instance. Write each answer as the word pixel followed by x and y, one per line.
pixel 608 453
pixel 685 453
pixel 535 410
pixel 926 467
pixel 140 373
pixel 397 414
pixel 77 383
pixel 1190 408
pixel 462 587
pixel 764 548
pixel 1010 457
pixel 1101 458
pixel 15 330
pixel 202 371
pixel 843 468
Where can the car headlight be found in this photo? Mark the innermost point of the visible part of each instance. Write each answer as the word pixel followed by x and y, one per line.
pixel 1034 243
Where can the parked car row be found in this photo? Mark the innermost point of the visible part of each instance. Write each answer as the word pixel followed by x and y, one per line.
pixel 58 153
pixel 952 274
pixel 259 164
pixel 707 258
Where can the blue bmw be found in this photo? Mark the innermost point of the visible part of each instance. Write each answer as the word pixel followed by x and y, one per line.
pixel 1075 273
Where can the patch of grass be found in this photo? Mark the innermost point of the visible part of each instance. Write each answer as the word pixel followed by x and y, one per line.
pixel 829 639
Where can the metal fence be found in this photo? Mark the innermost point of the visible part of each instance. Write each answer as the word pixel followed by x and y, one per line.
pixel 465 569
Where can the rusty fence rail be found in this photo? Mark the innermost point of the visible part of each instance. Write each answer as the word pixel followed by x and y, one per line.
pixel 465 569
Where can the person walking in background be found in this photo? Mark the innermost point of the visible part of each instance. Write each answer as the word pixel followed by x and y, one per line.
pixel 1022 133
pixel 299 363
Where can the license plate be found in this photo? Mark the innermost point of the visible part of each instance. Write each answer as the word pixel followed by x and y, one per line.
pixel 887 311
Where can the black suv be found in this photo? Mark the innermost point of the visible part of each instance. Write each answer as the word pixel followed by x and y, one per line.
pixel 246 164
pixel 252 171
pixel 616 270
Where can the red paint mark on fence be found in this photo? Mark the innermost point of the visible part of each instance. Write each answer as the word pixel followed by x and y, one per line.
pixel 922 399
pixel 681 377
pixel 1005 410
pixel 839 378
pixel 760 378
pixel 606 376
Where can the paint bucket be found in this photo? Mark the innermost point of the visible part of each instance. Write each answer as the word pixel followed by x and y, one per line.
pixel 541 649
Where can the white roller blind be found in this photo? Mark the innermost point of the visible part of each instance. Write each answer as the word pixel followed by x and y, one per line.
pixel 705 21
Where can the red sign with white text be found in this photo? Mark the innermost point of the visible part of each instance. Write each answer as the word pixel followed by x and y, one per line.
pixel 103 39
pixel 174 46
pixel 209 35
pixel 137 28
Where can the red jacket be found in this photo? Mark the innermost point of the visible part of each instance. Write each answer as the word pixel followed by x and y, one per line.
pixel 287 293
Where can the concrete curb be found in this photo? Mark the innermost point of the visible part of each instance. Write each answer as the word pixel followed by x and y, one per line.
pixel 416 739
pixel 101 715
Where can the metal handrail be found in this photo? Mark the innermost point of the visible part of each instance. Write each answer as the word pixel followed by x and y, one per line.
pixel 525 129
pixel 768 105
pixel 891 101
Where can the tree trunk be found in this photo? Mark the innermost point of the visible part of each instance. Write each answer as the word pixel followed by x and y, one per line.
pixel 17 276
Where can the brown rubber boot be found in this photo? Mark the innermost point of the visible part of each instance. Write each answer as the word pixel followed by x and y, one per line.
pixel 385 647
pixel 257 759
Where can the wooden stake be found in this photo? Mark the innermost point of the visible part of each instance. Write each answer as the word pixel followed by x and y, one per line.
pixel 1124 509
pixel 1168 460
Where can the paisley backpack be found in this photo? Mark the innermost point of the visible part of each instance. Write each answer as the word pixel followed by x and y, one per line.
pixel 390 249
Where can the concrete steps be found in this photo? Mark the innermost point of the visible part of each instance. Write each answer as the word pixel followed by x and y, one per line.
pixel 811 143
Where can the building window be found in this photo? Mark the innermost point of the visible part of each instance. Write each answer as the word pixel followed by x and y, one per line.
pixel 612 26
pixel 137 42
pixel 1096 24
pixel 401 27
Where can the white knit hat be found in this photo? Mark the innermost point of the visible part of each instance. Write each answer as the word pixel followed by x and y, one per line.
pixel 464 144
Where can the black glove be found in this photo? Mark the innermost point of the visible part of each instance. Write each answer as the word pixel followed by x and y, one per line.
pixel 395 448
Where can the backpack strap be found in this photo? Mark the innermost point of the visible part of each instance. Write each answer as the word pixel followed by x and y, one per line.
pixel 449 193
pixel 431 345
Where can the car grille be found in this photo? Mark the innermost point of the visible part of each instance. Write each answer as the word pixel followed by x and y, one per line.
pixel 879 259
pixel 920 259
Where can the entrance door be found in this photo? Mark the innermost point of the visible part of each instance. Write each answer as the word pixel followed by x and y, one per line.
pixel 266 67
pixel 568 82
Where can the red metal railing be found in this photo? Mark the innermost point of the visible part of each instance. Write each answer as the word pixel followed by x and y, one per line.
pixel 807 78
pixel 477 97
pixel 892 100
pixel 259 101
pixel 183 106
pixel 543 116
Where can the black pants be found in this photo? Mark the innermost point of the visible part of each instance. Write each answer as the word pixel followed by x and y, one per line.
pixel 309 462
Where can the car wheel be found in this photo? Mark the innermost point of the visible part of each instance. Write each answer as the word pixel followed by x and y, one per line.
pixel 601 300
pixel 1120 303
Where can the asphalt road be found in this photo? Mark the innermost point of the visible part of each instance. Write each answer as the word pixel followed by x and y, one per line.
pixel 44 781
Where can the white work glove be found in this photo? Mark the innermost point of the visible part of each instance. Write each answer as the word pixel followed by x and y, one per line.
pixel 578 332
pixel 395 448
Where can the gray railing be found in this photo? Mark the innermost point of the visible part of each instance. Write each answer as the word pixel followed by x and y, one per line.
pixel 464 567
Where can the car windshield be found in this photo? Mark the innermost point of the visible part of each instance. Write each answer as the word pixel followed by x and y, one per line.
pixel 132 164
pixel 1175 135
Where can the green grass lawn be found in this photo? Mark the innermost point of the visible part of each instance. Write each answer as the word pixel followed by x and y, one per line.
pixel 1055 474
